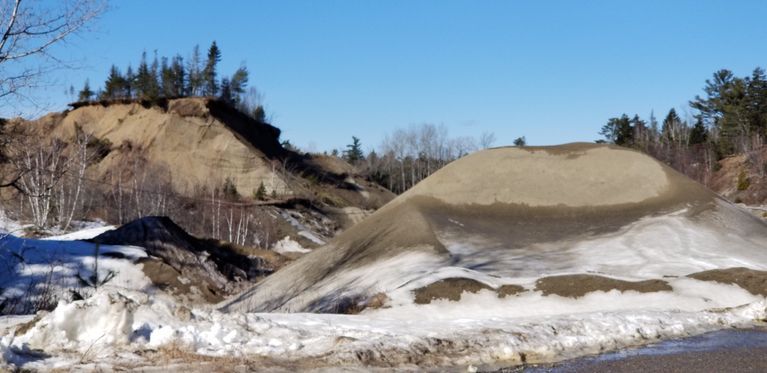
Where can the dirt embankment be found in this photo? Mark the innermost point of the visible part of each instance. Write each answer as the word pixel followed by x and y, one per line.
pixel 742 178
pixel 188 267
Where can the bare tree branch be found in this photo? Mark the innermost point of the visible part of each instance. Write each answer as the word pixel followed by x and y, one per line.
pixel 29 30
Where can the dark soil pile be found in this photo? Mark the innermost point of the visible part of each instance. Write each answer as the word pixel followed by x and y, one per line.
pixel 190 267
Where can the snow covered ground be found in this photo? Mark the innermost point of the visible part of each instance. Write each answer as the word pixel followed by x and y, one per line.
pixel 123 328
pixel 127 323
pixel 36 273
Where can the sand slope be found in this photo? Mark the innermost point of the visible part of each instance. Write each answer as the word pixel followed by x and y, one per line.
pixel 190 141
pixel 511 216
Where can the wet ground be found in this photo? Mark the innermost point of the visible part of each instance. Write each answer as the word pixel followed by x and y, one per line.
pixel 733 350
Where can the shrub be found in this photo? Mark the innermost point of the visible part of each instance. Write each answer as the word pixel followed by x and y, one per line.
pixel 229 189
pixel 260 193
pixel 743 181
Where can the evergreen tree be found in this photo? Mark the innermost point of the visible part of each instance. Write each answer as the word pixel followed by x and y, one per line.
pixel 211 83
pixel 725 109
pixel 520 142
pixel 238 83
pixel 130 82
pixel 144 79
pixel 179 76
pixel 114 87
pixel 672 125
pixel 756 101
pixel 354 154
pixel 226 91
pixel 698 134
pixel 169 79
pixel 86 93
pixel 259 114
pixel 618 131
pixel 260 193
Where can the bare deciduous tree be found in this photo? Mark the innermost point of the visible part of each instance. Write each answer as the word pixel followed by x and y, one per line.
pixel 29 30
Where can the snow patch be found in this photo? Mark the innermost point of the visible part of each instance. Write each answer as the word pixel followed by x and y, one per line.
pixel 287 245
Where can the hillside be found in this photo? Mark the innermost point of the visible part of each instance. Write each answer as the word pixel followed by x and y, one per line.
pixel 203 162
pixel 742 178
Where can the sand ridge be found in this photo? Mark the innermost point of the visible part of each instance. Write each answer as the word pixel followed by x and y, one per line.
pixel 583 176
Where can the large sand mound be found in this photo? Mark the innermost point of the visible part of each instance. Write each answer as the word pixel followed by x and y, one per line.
pixel 511 216
pixel 194 142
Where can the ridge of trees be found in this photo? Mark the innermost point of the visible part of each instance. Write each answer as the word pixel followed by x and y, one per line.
pixel 729 118
pixel 409 155
pixel 175 77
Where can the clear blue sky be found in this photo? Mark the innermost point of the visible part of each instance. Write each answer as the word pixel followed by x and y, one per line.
pixel 553 71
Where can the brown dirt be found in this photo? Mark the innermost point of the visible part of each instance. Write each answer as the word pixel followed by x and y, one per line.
pixel 751 280
pixel 506 290
pixel 726 179
pixel 449 288
pixel 575 286
pixel 377 301
pixel 166 278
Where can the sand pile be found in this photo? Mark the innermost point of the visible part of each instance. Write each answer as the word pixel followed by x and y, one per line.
pixel 604 217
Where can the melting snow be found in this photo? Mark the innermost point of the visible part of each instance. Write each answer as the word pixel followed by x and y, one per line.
pixel 287 245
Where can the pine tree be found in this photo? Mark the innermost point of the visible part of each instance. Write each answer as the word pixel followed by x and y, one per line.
pixel 179 76
pixel 226 91
pixel 671 127
pixel 238 83
pixel 214 57
pixel 143 79
pixel 167 79
pixel 259 114
pixel 619 131
pixel 520 142
pixel 260 194
pixel 130 82
pixel 698 134
pixel 114 87
pixel 354 154
pixel 86 93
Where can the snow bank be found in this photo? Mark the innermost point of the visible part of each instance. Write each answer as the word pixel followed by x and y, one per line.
pixel 35 272
pixel 113 325
pixel 106 319
pixel 287 245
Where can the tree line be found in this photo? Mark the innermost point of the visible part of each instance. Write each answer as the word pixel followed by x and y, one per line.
pixel 408 155
pixel 175 77
pixel 729 118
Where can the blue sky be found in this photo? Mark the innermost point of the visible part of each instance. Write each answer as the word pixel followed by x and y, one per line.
pixel 553 71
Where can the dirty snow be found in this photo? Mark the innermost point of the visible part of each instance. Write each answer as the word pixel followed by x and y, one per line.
pixel 287 245
pixel 119 324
